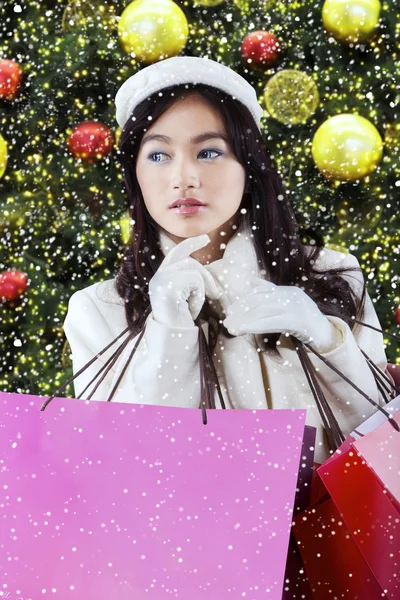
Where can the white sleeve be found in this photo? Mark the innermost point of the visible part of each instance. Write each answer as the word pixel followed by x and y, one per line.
pixel 163 370
pixel 349 406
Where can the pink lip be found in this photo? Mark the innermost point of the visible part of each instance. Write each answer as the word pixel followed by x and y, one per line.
pixel 187 201
pixel 188 210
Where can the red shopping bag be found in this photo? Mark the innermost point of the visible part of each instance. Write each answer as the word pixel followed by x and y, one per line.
pixel 349 539
pixel 333 562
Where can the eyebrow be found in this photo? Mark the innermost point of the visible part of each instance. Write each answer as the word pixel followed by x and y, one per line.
pixel 207 135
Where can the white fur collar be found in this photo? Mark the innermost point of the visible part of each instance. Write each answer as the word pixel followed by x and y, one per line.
pixel 234 271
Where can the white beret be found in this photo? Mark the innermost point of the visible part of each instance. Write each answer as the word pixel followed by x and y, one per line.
pixel 184 69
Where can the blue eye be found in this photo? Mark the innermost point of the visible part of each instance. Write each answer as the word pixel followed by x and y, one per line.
pixel 218 152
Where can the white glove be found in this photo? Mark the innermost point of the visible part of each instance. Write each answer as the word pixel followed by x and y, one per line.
pixel 179 287
pixel 270 308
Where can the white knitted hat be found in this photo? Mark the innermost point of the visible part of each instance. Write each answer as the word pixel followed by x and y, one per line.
pixel 184 69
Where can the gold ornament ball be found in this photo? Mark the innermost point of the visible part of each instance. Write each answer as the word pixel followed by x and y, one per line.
pixel 3 156
pixel 291 97
pixel 347 147
pixel 351 21
pixel 153 29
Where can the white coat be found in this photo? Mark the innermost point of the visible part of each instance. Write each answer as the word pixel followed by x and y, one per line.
pixel 165 369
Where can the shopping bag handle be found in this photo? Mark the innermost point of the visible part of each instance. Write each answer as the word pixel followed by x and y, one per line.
pixel 374 368
pixel 207 387
pixel 396 337
pixel 207 391
pixel 109 364
pixel 381 378
pixel 335 435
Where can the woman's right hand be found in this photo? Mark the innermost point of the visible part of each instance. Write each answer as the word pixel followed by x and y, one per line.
pixel 179 287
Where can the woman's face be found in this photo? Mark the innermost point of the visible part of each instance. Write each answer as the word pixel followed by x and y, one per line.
pixel 179 166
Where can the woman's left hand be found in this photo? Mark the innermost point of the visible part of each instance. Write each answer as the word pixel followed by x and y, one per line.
pixel 270 308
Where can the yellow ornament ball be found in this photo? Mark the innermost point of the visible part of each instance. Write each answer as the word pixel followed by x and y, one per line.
pixel 347 147
pixel 3 156
pixel 291 97
pixel 153 29
pixel 351 21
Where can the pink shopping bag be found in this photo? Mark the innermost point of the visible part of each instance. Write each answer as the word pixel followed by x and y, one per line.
pixel 114 500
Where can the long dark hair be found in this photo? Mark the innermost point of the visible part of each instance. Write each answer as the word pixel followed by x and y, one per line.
pixel 268 214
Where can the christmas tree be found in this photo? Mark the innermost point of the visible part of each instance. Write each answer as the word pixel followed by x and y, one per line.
pixel 317 70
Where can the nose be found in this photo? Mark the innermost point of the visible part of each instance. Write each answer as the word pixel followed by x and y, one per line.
pixel 185 173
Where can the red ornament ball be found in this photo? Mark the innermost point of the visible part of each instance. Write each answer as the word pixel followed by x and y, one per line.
pixel 12 284
pixel 398 315
pixel 10 79
pixel 260 49
pixel 91 141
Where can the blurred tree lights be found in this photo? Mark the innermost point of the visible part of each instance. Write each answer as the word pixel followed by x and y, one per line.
pixel 62 216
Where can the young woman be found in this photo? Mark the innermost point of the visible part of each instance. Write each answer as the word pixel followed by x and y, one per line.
pixel 233 265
